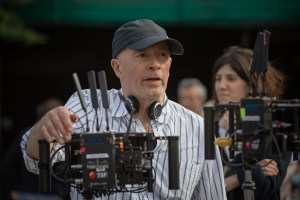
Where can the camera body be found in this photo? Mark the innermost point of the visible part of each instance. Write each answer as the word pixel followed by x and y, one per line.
pixel 259 127
pixel 107 160
pixel 100 164
pixel 256 128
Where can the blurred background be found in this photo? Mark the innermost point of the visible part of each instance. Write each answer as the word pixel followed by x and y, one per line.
pixel 42 42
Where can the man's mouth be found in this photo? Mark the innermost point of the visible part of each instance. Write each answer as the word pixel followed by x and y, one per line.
pixel 153 79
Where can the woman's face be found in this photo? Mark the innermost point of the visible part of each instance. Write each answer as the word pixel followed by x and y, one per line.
pixel 229 86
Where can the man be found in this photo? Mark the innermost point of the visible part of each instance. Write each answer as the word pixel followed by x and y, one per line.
pixel 141 60
pixel 192 94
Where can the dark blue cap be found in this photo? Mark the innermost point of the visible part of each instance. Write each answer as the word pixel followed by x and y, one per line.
pixel 140 34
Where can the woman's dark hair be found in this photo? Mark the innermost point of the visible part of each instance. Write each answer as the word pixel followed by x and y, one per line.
pixel 239 59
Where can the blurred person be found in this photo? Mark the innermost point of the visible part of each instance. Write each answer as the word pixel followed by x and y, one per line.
pixel 192 94
pixel 18 182
pixel 231 84
pixel 141 60
pixel 286 186
pixel 295 180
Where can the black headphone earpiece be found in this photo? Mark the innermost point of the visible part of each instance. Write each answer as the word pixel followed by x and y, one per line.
pixel 154 110
pixel 131 104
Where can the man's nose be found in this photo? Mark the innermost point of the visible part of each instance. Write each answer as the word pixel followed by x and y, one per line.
pixel 154 63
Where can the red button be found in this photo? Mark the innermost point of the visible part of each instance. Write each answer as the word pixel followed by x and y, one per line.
pixel 92 175
pixel 248 146
pixel 82 149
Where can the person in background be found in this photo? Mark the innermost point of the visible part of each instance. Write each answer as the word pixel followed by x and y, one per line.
pixel 192 94
pixel 286 189
pixel 141 59
pixel 231 84
pixel 295 179
pixel 21 184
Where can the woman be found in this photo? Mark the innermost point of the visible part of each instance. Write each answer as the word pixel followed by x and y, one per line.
pixel 231 84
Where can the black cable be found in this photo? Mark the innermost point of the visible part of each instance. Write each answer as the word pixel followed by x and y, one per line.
pixel 52 172
pixel 229 163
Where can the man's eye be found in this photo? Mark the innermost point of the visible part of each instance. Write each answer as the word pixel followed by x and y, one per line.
pixel 163 54
pixel 141 55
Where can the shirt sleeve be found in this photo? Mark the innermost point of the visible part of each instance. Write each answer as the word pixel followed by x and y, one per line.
pixel 31 164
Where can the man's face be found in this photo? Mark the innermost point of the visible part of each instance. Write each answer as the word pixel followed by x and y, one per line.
pixel 144 73
pixel 189 97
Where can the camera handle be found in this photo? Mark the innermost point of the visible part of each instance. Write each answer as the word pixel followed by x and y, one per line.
pixel 248 184
pixel 43 164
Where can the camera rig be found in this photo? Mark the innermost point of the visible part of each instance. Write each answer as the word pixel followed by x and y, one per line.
pixel 259 126
pixel 102 163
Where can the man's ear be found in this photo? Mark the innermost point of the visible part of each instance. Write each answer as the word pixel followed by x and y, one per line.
pixel 116 67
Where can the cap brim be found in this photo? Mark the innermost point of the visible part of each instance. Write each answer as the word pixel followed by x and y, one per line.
pixel 174 46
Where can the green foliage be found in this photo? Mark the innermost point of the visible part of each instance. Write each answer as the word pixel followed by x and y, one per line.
pixel 12 28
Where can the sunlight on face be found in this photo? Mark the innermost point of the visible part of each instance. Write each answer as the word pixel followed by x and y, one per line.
pixel 144 73
pixel 229 86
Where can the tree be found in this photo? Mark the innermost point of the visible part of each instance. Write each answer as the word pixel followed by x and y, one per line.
pixel 13 29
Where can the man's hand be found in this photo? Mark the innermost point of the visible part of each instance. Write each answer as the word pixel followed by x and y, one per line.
pixel 57 124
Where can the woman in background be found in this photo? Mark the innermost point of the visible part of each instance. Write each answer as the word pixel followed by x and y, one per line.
pixel 231 84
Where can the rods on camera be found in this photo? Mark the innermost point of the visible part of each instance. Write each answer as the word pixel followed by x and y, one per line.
pixel 82 101
pixel 93 89
pixel 103 88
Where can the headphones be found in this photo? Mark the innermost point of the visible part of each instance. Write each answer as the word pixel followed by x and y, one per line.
pixel 132 105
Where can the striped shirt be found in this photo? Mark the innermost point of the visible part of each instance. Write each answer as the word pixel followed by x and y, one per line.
pixel 199 178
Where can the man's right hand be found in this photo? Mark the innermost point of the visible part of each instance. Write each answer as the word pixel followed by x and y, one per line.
pixel 57 124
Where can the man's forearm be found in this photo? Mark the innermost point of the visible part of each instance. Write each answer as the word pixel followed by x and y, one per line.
pixel 32 144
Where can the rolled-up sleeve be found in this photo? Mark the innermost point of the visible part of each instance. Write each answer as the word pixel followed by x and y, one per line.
pixel 31 164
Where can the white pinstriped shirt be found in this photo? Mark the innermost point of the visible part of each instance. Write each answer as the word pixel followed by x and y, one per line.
pixel 203 177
